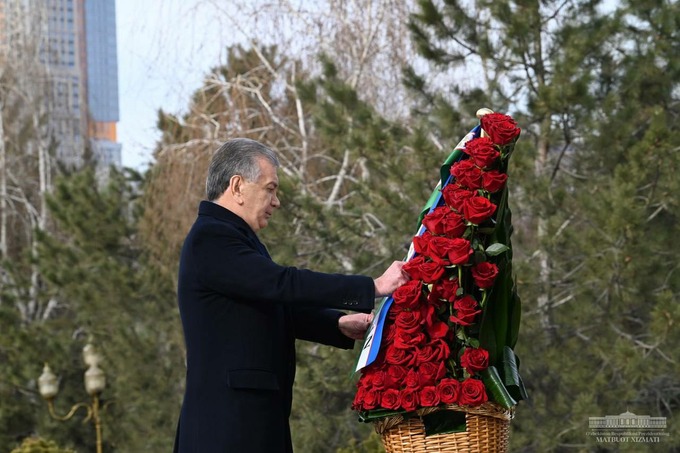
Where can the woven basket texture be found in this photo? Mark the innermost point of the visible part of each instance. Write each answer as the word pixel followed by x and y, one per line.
pixel 487 431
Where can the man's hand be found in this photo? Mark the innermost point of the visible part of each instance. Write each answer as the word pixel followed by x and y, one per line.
pixel 391 279
pixel 355 326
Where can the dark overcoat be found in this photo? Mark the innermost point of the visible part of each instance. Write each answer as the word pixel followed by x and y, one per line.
pixel 241 314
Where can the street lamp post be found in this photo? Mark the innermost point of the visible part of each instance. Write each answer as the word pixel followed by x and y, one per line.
pixel 95 381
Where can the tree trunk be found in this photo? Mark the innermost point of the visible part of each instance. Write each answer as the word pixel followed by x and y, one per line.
pixel 544 276
pixel 3 188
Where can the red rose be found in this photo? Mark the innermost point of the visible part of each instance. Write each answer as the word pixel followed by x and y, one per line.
pixel 428 396
pixel 421 243
pixel 371 399
pixel 430 372
pixel 482 151
pixel 435 351
pixel 390 399
pixel 434 220
pixel 434 299
pixel 408 340
pixel 378 380
pixel 439 248
pixel 419 268
pixel 454 195
pixel 444 289
pixel 438 330
pixel 358 403
pixel 478 209
pixel 443 220
pixel 466 311
pixel 454 225
pixel 501 128
pixel 427 314
pixel 399 356
pixel 465 303
pixel 408 321
pixel 472 392
pixel 366 379
pixel 475 360
pixel 409 399
pixel 493 181
pixel 412 379
pixel 459 251
pixel 395 376
pixel 449 391
pixel 467 174
pixel 442 348
pixel 408 295
pixel 484 274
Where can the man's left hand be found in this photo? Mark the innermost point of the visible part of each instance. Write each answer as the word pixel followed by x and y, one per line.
pixel 355 326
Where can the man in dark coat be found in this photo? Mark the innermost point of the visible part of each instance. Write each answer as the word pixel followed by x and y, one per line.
pixel 241 312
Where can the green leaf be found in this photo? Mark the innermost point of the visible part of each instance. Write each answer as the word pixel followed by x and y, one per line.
pixel 377 414
pixel 497 310
pixel 495 388
pixel 487 335
pixel 515 317
pixel 496 249
pixel 510 374
pixel 428 204
pixel 444 422
pixel 455 155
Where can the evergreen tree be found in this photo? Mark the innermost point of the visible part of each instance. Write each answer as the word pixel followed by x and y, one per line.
pixel 102 290
pixel 597 97
pixel 621 285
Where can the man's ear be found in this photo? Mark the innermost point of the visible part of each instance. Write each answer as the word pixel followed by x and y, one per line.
pixel 235 187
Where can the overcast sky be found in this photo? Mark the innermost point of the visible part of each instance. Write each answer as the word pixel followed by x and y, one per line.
pixel 164 49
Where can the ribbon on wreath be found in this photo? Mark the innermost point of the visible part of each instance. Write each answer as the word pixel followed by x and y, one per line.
pixel 371 346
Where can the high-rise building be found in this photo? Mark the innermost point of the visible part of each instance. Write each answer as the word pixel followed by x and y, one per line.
pixel 63 55
pixel 77 41
pixel 102 80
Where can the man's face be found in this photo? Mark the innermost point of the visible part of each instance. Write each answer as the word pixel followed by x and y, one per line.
pixel 260 196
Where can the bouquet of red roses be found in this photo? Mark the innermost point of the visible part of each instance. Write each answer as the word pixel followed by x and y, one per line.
pixel 448 333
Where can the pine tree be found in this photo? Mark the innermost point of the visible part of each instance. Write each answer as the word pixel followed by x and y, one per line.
pixel 102 290
pixel 615 339
pixel 596 95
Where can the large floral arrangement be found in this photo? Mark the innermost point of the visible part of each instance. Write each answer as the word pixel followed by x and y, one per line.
pixel 448 333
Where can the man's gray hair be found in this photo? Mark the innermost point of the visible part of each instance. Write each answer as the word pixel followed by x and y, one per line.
pixel 238 156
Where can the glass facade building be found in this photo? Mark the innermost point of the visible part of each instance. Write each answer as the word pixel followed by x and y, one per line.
pixel 102 80
pixel 79 53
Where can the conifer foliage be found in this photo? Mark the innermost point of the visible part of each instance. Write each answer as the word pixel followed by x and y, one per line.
pixel 594 86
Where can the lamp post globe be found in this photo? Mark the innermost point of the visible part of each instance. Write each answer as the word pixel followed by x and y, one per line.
pixel 90 355
pixel 48 384
pixel 95 380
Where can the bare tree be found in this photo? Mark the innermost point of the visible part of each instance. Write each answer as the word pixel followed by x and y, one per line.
pixel 368 40
pixel 25 173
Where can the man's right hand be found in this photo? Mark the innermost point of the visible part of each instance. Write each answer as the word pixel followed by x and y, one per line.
pixel 391 279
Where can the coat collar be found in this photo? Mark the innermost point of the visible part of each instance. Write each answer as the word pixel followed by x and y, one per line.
pixel 208 208
pixel 221 213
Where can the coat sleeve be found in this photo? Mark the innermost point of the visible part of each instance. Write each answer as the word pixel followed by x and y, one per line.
pixel 320 326
pixel 228 264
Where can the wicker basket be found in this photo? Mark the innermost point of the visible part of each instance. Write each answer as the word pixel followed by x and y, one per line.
pixel 487 431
